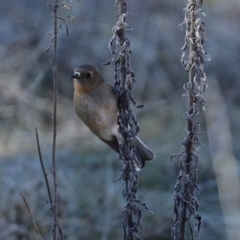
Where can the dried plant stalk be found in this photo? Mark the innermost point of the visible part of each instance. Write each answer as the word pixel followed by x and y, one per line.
pixel 124 77
pixel 55 97
pixel 50 201
pixel 186 205
pixel 32 218
pixel 54 40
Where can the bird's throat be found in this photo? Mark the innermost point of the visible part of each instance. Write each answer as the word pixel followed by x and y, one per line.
pixel 82 88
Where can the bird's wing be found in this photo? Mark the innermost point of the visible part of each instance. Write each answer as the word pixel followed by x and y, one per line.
pixel 112 143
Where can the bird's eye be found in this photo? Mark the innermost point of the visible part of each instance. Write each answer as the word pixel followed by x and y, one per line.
pixel 89 75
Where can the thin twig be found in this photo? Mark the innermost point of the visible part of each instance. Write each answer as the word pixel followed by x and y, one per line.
pixel 47 184
pixel 65 23
pixel 49 5
pixel 55 97
pixel 43 169
pixel 34 223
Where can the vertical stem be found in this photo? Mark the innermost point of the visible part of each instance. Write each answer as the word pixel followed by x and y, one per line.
pixel 121 35
pixel 189 125
pixel 55 86
pixel 183 222
pixel 186 206
pixel 119 46
pixel 191 99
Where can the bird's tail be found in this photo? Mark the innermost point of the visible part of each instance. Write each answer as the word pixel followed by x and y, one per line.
pixel 143 153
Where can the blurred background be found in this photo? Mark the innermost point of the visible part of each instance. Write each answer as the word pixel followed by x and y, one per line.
pixel 90 198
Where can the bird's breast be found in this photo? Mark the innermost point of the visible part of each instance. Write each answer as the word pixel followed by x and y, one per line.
pixel 99 116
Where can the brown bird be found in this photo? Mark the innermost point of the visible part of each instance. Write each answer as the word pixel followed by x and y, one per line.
pixel 96 105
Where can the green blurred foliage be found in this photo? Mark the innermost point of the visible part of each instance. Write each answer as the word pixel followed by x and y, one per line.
pixel 90 200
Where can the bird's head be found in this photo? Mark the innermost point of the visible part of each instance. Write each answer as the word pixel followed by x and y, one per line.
pixel 87 76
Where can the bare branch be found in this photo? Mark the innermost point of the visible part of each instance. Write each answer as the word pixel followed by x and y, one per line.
pixel 55 97
pixel 49 46
pixel 44 171
pixel 51 6
pixel 33 221
pixel 50 201
pixel 65 23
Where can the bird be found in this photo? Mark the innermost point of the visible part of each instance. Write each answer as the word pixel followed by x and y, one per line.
pixel 96 105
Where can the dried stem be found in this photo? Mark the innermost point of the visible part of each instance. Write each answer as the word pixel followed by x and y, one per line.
pixel 60 230
pixel 44 171
pixel 186 205
pixel 54 40
pixel 191 99
pixel 34 223
pixel 124 77
pixel 55 97
pixel 121 36
pixel 189 146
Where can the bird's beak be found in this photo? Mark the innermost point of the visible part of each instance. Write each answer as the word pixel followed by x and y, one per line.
pixel 76 75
